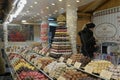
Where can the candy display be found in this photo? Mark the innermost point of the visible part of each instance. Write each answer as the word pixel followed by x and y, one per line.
pixel 25 70
pixel 61 43
pixel 75 75
pixel 116 72
pixel 32 75
pixel 44 61
pixel 99 65
pixel 80 58
pixel 55 69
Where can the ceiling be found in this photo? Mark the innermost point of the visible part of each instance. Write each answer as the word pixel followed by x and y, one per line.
pixel 3 9
pixel 35 10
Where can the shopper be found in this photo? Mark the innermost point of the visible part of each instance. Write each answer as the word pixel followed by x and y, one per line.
pixel 88 40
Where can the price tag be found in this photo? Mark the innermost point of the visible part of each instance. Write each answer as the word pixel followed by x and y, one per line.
pixel 106 74
pixel 61 59
pixel 43 53
pixel 36 63
pixel 69 61
pixel 77 65
pixel 40 52
pixel 32 60
pixel 61 78
pixel 39 66
pixel 47 54
pixel 89 69
pixel 37 51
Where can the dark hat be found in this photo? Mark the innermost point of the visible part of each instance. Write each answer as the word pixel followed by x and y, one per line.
pixel 90 25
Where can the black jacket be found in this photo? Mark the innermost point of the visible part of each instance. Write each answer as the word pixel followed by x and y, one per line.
pixel 88 42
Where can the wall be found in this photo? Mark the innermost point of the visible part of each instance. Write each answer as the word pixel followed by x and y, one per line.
pixel 37 33
pixel 80 24
pixel 109 4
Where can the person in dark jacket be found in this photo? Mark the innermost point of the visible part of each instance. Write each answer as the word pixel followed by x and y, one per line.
pixel 88 40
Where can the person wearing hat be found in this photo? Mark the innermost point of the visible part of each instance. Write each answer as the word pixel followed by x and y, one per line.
pixel 88 40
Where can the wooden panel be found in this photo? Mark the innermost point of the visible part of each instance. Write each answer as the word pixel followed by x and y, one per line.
pixel 109 4
pixel 80 24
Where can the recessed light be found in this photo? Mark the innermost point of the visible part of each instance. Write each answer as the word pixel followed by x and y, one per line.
pixel 62 8
pixel 68 5
pixel 56 10
pixel 47 7
pixel 28 11
pixel 53 4
pixel 35 2
pixel 60 0
pixel 77 1
pixel 31 6
pixel 23 21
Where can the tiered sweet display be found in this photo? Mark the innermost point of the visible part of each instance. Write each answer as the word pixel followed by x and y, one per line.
pixel 61 44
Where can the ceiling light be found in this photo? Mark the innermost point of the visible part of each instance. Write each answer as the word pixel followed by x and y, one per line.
pixel 77 1
pixel 23 21
pixel 68 5
pixel 60 0
pixel 53 4
pixel 56 10
pixel 62 8
pixel 31 6
pixel 28 11
pixel 47 7
pixel 35 2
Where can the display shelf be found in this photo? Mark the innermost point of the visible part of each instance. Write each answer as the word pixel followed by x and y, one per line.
pixel 13 72
pixel 39 69
pixel 92 74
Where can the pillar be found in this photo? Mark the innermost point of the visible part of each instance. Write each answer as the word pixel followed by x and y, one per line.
pixel 71 18
pixel 5 34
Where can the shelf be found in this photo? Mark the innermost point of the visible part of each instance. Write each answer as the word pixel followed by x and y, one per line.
pixel 13 72
pixel 82 70
pixel 39 69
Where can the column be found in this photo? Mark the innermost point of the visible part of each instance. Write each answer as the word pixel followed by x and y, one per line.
pixel 5 34
pixel 71 18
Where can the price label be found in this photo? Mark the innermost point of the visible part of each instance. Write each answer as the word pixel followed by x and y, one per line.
pixel 61 78
pixel 106 74
pixel 36 63
pixel 77 65
pixel 37 51
pixel 33 60
pixel 61 59
pixel 39 66
pixel 89 69
pixel 40 52
pixel 43 53
pixel 47 54
pixel 69 61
